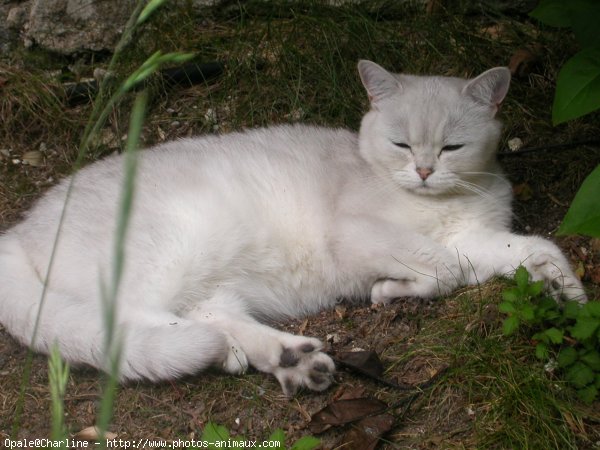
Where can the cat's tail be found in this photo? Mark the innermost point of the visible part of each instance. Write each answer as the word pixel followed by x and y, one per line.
pixel 155 347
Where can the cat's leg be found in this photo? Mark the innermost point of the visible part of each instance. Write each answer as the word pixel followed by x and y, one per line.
pixel 396 262
pixel 296 361
pixel 485 253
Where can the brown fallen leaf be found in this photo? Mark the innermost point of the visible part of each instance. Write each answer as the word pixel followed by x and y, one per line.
pixel 523 61
pixel 351 393
pixel 366 362
pixel 365 434
pixel 342 412
pixel 523 192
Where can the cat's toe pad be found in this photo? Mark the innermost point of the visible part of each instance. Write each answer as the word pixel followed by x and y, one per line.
pixel 304 365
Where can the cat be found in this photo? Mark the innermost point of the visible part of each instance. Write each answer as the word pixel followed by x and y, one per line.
pixel 230 232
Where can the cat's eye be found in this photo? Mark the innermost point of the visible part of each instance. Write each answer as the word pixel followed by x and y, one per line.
pixel 449 148
pixel 402 145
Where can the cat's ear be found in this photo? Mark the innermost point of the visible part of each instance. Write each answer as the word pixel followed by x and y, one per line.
pixel 490 87
pixel 378 82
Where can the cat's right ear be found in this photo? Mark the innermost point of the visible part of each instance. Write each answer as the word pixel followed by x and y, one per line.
pixel 378 82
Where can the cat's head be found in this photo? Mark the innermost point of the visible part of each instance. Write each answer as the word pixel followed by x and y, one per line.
pixel 432 135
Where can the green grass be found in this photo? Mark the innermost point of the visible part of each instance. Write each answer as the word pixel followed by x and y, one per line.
pixel 495 383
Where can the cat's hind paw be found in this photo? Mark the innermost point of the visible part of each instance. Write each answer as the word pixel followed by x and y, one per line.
pixel 304 365
pixel 236 361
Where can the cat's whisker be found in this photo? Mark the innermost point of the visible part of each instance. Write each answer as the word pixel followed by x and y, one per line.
pixel 490 174
pixel 476 189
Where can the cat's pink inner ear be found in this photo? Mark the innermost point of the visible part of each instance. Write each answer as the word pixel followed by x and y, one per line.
pixel 378 82
pixel 490 87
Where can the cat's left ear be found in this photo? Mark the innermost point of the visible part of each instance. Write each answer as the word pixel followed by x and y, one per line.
pixel 490 87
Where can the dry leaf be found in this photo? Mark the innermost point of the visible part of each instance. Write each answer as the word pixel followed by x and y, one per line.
pixel 342 412
pixel 523 192
pixel 352 393
pixel 522 62
pixel 494 31
pixel 93 434
pixel 580 270
pixel 340 311
pixel 365 435
pixel 364 362
pixel 302 327
pixel 433 6
pixel 33 158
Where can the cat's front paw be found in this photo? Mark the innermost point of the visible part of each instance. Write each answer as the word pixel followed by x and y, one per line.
pixel 303 364
pixel 560 281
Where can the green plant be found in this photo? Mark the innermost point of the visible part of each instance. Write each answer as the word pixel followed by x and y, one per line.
pixel 577 94
pixel 215 435
pixel 578 84
pixel 58 375
pixel 568 337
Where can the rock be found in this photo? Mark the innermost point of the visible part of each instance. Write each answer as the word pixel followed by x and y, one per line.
pixel 69 26
pixel 13 15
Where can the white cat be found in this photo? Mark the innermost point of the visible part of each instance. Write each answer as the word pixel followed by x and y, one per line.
pixel 230 231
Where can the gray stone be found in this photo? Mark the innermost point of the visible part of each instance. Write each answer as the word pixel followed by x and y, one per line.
pixel 69 26
pixel 13 14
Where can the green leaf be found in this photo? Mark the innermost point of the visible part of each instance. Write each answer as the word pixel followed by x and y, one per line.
pixel 150 7
pixel 584 20
pixel 555 335
pixel 580 375
pixel 527 313
pixel 578 86
pixel 507 308
pixel 306 443
pixel 588 394
pixel 213 433
pixel 279 437
pixel 583 216
pixel 571 310
pixel 567 357
pixel 552 12
pixel 591 309
pixel 592 359
pixel 510 325
pixel 541 351
pixel 511 295
pixel 536 288
pixel 584 327
pixel 522 278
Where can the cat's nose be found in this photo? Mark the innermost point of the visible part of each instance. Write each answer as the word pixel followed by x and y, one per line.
pixel 424 172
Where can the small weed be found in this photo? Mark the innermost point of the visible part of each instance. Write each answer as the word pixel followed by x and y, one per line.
pixel 216 435
pixel 568 337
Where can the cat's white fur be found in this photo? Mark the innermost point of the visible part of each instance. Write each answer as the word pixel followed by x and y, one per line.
pixel 228 232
